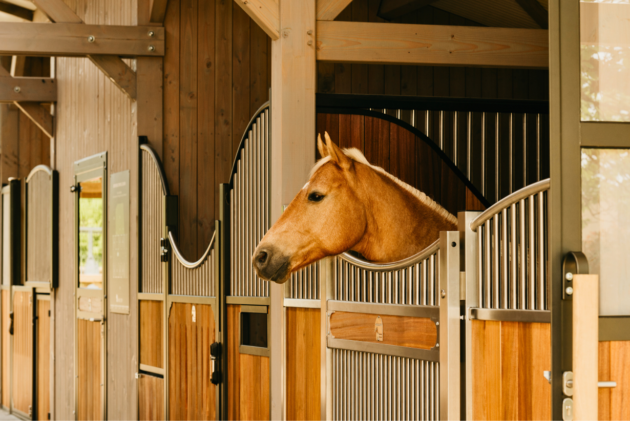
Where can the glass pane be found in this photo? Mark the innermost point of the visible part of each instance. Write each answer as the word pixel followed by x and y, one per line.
pixel 605 60
pixel 91 234
pixel 606 225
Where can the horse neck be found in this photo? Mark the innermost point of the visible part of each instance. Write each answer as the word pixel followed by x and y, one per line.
pixel 399 224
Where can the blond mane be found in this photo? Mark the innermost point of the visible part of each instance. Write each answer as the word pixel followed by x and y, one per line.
pixel 357 156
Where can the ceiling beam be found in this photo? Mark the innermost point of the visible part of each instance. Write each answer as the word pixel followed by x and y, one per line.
pixel 35 89
pixel 17 11
pixel 390 9
pixel 434 45
pixel 266 13
pixel 536 11
pixel 39 115
pixel 66 40
pixel 58 11
pixel 158 11
pixel 118 72
pixel 330 9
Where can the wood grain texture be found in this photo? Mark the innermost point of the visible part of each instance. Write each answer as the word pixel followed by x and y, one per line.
pixel 412 332
pixel 58 11
pixel 150 398
pixel 39 115
pixel 508 361
pixel 151 345
pixel 43 359
pixel 266 13
pixel 330 9
pixel 22 384
pixel 89 370
pixel 6 349
pixel 303 356
pixel 118 72
pixel 432 45
pixel 191 394
pixel 614 365
pixel 30 89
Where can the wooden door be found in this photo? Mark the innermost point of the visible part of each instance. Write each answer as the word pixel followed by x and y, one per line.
pixel 89 370
pixel 43 357
pixel 6 348
pixel 22 378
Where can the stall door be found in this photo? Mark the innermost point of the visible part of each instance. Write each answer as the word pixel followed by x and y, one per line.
pixel 42 351
pixel 22 391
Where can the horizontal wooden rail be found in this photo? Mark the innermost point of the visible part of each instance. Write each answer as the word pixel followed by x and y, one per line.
pixel 75 39
pixel 30 89
pixel 435 45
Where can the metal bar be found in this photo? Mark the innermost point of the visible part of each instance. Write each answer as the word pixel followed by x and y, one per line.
pixel 483 154
pixel 526 316
pixel 441 130
pixel 532 254
pixel 497 178
pixel 524 149
pixel 542 281
pixel 455 138
pixel 511 152
pixel 504 259
pixel 496 247
pixel 382 309
pixel 523 256
pixel 538 147
pixel 469 143
pixel 513 259
pixel 487 268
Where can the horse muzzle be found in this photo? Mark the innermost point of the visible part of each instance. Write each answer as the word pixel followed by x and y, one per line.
pixel 271 265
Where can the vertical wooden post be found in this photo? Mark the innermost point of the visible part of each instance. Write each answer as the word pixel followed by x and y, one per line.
pixel 9 126
pixel 585 346
pixel 293 72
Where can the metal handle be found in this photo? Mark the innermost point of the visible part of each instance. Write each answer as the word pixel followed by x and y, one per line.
pixel 606 384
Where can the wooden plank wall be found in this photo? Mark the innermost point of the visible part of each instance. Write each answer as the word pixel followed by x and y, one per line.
pixel 22 391
pixel 151 333
pixel 399 152
pixel 89 370
pixel 191 394
pixel 150 397
pixel 217 73
pixel 39 232
pixel 509 360
pixel 43 359
pixel 6 348
pixel 303 375
pixel 614 365
pixel 93 116
pixel 248 376
pixel 426 80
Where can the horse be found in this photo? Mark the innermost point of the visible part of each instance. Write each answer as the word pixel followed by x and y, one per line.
pixel 349 205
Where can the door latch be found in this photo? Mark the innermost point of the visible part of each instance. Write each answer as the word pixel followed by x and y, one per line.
pixel 567 409
pixel 11 323
pixel 164 248
pixel 574 263
pixel 215 355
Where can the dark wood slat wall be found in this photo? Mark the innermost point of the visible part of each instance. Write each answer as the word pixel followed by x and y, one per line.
pixel 217 73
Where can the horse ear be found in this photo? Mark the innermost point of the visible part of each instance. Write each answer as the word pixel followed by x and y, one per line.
pixel 321 147
pixel 336 154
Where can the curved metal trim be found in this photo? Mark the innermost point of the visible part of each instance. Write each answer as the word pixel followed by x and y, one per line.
pixel 182 260
pixel 508 201
pixel 158 164
pixel 241 145
pixel 37 169
pixel 401 264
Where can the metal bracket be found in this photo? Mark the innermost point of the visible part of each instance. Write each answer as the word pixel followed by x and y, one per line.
pixel 164 249
pixel 330 313
pixel 567 383
pixel 574 263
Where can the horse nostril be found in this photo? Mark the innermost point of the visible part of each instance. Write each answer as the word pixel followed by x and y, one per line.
pixel 262 257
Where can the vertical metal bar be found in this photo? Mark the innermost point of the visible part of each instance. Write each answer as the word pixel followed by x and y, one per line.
pixel 487 267
pixel 431 281
pixel 523 256
pixel 442 130
pixel 483 153
pixel 496 245
pixel 542 301
pixel 511 146
pixel 497 156
pixel 513 259
pixel 455 137
pixel 427 118
pixel 504 259
pixel 532 254
pixel 481 237
pixel 469 143
pixel 524 150
pixel 537 147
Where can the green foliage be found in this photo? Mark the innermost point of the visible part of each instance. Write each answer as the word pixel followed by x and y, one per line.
pixel 91 216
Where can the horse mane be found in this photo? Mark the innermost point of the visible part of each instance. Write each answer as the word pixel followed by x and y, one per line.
pixel 357 156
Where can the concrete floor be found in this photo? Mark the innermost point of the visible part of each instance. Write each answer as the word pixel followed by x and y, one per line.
pixel 5 416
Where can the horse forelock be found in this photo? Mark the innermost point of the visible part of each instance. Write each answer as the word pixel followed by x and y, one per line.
pixel 357 156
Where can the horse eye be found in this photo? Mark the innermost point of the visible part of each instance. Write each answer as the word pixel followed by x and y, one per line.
pixel 315 197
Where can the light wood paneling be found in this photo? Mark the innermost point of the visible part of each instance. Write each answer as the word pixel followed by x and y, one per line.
pixel 89 370
pixel 191 394
pixel 248 376
pixel 614 365
pixel 43 359
pixel 303 354
pixel 509 359
pixel 413 332
pixel 151 398
pixel 39 228
pixel 151 333
pixel 22 392
pixel 6 348
pixel 152 225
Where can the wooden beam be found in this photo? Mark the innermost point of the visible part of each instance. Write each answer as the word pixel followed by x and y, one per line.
pixel 434 45
pixel 62 39
pixel 38 115
pixel 17 11
pixel 150 80
pixel 536 11
pixel 390 9
pixel 330 9
pixel 9 132
pixel 17 65
pixel 158 11
pixel 118 72
pixel 266 13
pixel 58 11
pixel 20 89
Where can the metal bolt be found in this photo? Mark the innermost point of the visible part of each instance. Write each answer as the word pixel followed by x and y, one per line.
pixel 73 189
pixel 461 317
pixel 151 48
pixel 437 323
pixel 309 32
pixel 151 33
pixel 310 42
pixel 443 294
pixel 17 89
pixel 437 345
pixel 569 291
pixel 569 276
pixel 91 38
pixel 285 33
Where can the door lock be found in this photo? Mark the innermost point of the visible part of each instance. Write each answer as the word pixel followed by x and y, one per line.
pixel 567 383
pixel 215 355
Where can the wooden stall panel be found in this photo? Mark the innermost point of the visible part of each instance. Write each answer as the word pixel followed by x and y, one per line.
pixel 151 334
pixel 509 359
pixel 22 395
pixel 150 398
pixel 43 359
pixel 89 369
pixel 413 332
pixel 614 365
pixel 6 348
pixel 39 231
pixel 303 356
pixel 248 376
pixel 191 332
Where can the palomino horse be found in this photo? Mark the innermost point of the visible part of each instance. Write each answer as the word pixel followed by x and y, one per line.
pixel 349 204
